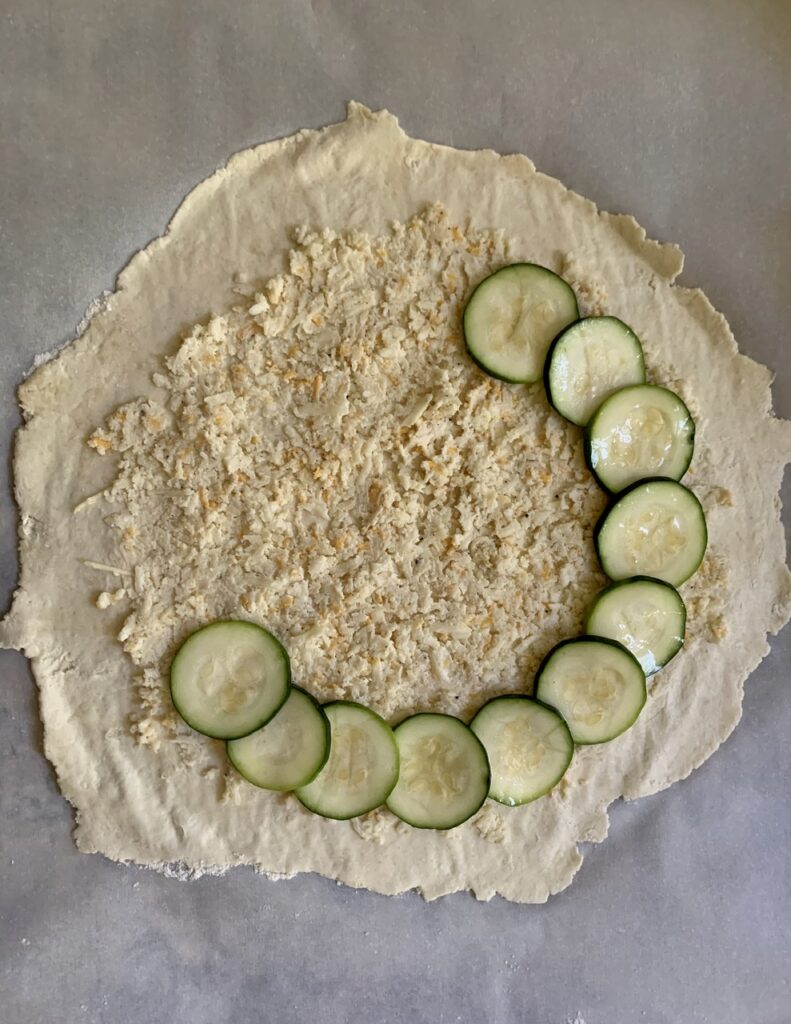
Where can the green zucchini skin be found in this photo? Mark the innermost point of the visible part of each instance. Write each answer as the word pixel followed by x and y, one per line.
pixel 316 765
pixel 470 343
pixel 616 498
pixel 587 443
pixel 678 600
pixel 586 638
pixel 352 805
pixel 558 340
pixel 524 796
pixel 179 702
pixel 480 769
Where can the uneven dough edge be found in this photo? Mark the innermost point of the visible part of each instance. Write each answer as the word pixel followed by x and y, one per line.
pixel 39 398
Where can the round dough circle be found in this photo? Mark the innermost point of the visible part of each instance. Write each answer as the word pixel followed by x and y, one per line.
pixel 131 802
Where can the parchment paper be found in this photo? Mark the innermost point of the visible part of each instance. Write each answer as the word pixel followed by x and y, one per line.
pixel 108 85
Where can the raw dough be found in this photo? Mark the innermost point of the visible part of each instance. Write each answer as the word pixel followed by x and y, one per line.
pixel 170 804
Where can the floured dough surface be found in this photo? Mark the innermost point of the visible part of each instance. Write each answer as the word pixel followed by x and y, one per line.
pixel 274 418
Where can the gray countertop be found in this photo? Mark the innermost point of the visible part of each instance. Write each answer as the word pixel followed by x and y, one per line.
pixel 677 111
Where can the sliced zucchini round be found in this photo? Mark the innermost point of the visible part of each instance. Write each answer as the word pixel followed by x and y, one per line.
pixel 444 775
pixel 595 684
pixel 654 528
pixel 589 361
pixel 362 767
pixel 290 750
pixel 647 616
pixel 512 317
pixel 639 432
pixel 229 678
pixel 528 744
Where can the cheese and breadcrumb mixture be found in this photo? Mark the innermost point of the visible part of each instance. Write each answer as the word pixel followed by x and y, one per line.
pixel 328 462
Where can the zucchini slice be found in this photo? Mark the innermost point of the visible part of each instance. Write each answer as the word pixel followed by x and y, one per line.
pixel 512 317
pixel 528 744
pixel 229 678
pixel 444 775
pixel 647 616
pixel 589 361
pixel 639 432
pixel 362 767
pixel 595 684
pixel 654 528
pixel 290 750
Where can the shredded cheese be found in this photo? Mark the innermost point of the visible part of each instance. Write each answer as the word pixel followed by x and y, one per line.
pixel 329 462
